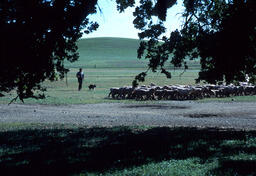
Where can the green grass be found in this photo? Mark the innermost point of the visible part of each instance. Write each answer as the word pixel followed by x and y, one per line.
pixel 186 167
pixel 44 149
pixel 61 93
pixel 108 52
pixel 109 62
pixel 112 53
pixel 68 149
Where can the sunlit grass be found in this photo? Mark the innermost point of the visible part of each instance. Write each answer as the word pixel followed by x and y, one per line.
pixel 186 167
pixel 65 91
pixel 110 62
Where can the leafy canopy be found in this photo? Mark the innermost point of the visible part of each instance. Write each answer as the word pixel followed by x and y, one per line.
pixel 222 33
pixel 36 36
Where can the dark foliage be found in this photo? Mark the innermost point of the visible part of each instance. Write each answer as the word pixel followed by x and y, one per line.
pixel 36 36
pixel 123 4
pixel 226 40
pixel 221 33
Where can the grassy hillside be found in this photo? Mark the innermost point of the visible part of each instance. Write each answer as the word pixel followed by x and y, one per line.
pixel 108 52
pixel 116 65
pixel 112 53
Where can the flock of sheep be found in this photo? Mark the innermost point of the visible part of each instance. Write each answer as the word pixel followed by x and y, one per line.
pixel 181 92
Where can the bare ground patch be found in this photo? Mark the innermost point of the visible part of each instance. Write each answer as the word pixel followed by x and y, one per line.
pixel 202 115
pixel 153 106
pixel 236 115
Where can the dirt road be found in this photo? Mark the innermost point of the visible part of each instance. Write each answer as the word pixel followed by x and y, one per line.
pixel 238 115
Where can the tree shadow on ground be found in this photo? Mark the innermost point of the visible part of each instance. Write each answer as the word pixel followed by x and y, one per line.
pixel 72 151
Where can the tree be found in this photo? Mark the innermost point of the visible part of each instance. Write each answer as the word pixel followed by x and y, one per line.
pixel 222 33
pixel 36 36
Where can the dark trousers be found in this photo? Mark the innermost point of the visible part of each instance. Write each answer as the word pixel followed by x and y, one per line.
pixel 80 82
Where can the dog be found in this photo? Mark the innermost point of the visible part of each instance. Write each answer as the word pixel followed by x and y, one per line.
pixel 91 86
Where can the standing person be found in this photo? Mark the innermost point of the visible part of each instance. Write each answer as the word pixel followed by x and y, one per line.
pixel 80 78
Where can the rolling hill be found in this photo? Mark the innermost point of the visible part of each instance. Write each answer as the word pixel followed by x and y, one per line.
pixel 105 52
pixel 108 53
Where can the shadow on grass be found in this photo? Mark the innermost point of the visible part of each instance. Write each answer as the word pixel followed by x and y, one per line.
pixel 236 167
pixel 72 151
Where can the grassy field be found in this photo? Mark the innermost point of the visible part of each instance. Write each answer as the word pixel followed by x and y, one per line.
pixel 68 149
pixel 39 149
pixel 108 53
pixel 109 62
pixel 113 53
pixel 62 92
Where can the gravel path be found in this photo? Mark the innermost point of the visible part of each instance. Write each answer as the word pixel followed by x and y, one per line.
pixel 238 115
